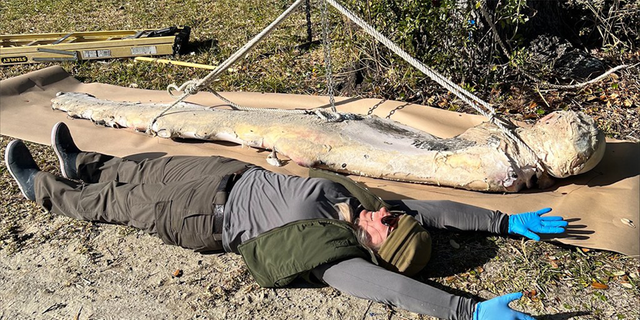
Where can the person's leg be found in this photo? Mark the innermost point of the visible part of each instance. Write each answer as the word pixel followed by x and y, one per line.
pixel 95 167
pixel 181 213
pixel 110 202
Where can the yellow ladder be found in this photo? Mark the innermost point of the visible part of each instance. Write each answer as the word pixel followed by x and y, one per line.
pixel 75 46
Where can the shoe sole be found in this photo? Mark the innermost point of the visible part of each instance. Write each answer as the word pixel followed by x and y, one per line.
pixel 55 149
pixel 6 162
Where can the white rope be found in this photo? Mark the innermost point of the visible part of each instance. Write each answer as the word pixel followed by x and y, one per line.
pixel 191 87
pixel 472 100
pixel 248 46
pixel 435 76
pixel 329 116
pixel 320 113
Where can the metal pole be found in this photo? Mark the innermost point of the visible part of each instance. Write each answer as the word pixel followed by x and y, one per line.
pixel 308 12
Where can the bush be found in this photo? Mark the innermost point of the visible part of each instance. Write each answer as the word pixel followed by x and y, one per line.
pixel 452 37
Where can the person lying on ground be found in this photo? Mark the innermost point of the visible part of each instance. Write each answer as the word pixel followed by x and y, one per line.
pixel 325 229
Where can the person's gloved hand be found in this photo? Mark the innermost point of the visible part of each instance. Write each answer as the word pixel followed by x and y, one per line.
pixel 529 222
pixel 498 308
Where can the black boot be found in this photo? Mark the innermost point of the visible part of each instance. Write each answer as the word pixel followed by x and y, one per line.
pixel 65 149
pixel 22 167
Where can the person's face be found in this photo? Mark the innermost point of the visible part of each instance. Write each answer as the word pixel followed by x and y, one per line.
pixel 371 222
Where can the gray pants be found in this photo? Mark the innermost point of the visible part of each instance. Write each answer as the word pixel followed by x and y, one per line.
pixel 173 197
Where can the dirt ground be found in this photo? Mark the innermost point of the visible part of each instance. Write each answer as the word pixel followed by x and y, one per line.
pixel 53 267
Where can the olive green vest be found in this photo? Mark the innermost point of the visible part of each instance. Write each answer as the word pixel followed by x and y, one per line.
pixel 277 257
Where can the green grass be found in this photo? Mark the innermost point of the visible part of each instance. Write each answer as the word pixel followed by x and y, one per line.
pixel 562 277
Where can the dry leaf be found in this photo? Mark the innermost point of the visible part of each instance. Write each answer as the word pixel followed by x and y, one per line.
pixel 530 294
pixel 628 103
pixel 177 273
pixel 554 264
pixel 598 285
pixel 585 249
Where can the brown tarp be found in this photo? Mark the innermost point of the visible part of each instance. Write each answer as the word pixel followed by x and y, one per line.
pixel 595 203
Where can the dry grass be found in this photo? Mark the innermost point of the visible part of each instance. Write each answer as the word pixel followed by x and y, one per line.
pixel 563 282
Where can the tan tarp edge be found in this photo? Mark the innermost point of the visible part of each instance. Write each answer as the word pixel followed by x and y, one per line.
pixel 595 202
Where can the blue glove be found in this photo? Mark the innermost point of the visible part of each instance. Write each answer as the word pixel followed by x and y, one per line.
pixel 529 222
pixel 498 308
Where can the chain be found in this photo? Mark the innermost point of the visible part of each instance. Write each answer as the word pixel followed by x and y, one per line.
pixel 396 109
pixel 376 106
pixel 478 104
pixel 326 42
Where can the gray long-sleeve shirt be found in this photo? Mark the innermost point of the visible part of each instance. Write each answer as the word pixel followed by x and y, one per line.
pixel 262 200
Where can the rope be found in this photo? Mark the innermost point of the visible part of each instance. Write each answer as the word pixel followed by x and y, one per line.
pixel 191 87
pixel 248 46
pixel 472 100
pixel 324 115
pixel 496 35
pixel 454 88
pixel 231 103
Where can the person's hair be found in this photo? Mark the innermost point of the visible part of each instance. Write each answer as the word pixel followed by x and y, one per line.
pixel 344 209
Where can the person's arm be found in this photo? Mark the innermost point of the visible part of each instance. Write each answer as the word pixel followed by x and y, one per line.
pixel 363 279
pixel 449 215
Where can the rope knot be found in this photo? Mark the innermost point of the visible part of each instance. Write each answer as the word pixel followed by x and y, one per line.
pixel 191 89
pixel 188 88
pixel 328 116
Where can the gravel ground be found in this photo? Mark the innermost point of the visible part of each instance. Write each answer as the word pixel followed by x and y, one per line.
pixel 54 267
